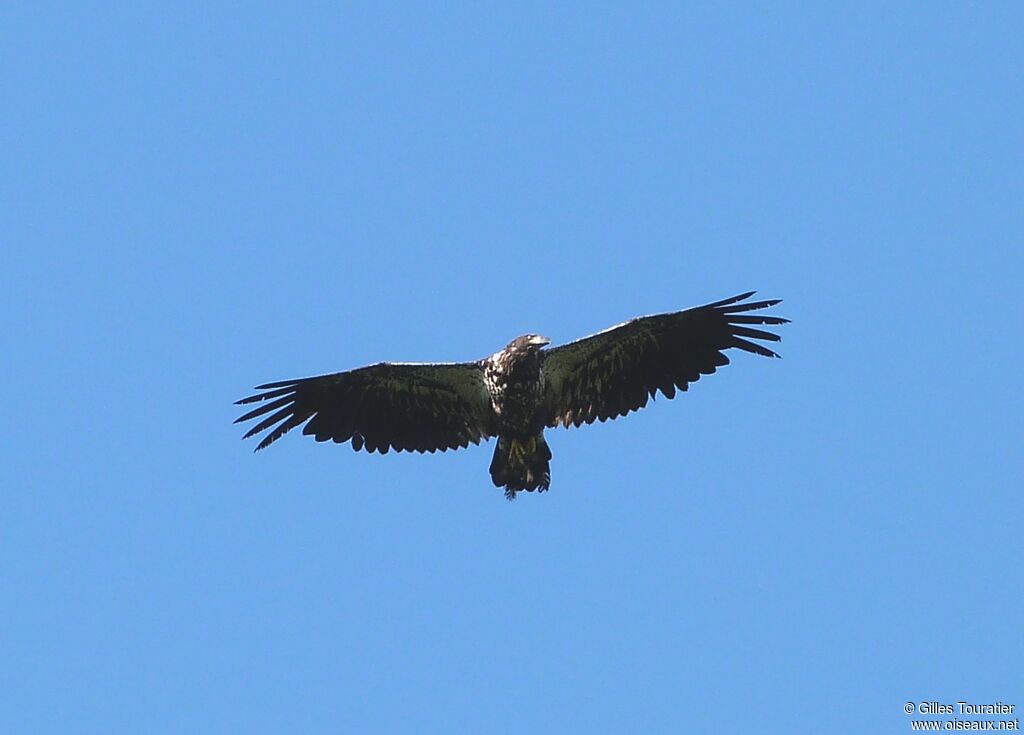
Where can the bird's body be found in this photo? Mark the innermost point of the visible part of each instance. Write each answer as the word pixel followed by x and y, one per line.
pixel 515 393
pixel 514 378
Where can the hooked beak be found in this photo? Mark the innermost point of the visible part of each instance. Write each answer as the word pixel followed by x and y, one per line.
pixel 539 341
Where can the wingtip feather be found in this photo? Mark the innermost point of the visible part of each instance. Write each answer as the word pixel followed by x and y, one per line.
pixel 731 300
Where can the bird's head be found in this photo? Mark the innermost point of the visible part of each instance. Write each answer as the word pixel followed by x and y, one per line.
pixel 528 343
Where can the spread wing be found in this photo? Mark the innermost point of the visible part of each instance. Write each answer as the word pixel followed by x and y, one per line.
pixel 421 407
pixel 614 372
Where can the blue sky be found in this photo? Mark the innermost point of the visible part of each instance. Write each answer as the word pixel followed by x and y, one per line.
pixel 201 197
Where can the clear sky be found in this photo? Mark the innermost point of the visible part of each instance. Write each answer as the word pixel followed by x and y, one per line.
pixel 197 198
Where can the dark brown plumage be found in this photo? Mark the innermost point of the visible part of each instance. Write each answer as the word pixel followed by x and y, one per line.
pixel 515 393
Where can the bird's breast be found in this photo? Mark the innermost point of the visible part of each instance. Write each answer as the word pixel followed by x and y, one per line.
pixel 516 396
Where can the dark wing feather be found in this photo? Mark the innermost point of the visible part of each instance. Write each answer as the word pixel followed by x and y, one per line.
pixel 421 407
pixel 615 371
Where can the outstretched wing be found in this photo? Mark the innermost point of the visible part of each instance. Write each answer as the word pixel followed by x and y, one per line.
pixel 421 407
pixel 614 372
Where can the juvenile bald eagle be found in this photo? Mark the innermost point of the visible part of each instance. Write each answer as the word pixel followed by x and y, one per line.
pixel 515 393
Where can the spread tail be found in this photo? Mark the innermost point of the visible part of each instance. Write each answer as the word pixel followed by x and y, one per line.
pixel 521 464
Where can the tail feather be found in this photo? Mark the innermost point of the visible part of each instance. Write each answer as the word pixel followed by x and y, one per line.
pixel 521 464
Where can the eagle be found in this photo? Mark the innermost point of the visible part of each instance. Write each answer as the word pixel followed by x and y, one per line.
pixel 516 393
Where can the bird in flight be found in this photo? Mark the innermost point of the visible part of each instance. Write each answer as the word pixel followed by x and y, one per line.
pixel 515 393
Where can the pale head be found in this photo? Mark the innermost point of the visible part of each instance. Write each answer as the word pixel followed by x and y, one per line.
pixel 528 342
